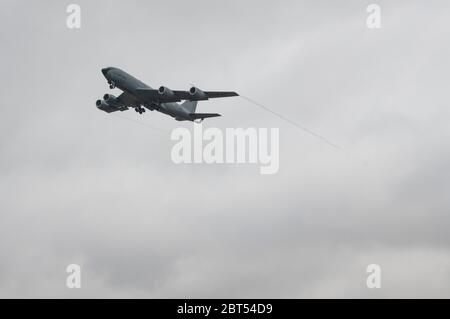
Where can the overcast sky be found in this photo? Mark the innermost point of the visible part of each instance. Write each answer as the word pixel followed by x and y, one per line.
pixel 82 186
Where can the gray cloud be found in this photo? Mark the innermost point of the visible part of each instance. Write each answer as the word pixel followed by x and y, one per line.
pixel 81 186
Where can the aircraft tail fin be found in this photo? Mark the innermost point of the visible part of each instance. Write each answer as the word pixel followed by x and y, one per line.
pixel 190 106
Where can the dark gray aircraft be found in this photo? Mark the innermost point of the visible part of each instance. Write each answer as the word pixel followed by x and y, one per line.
pixel 139 96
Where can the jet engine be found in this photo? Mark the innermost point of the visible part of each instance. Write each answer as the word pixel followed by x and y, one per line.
pixel 102 105
pixel 165 92
pixel 112 101
pixel 197 94
pixel 110 104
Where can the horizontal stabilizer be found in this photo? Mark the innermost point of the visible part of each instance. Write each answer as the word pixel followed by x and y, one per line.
pixel 196 116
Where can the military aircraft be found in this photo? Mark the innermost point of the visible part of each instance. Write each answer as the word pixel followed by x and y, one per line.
pixel 140 96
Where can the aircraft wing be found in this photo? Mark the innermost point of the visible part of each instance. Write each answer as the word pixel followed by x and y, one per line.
pixel 151 95
pixel 216 94
pixel 128 99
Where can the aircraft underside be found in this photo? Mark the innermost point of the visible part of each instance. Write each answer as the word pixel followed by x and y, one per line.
pixel 180 105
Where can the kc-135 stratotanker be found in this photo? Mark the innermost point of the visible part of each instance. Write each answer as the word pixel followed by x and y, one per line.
pixel 140 96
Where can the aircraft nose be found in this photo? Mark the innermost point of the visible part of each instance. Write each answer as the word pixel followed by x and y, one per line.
pixel 105 71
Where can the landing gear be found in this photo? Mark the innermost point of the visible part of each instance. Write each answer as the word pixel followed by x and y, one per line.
pixel 112 85
pixel 140 110
pixel 198 121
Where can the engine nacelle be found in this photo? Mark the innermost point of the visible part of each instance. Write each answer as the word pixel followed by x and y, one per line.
pixel 197 94
pixel 104 106
pixel 112 101
pixel 165 92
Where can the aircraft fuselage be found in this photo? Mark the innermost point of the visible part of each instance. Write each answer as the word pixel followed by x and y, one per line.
pixel 129 84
